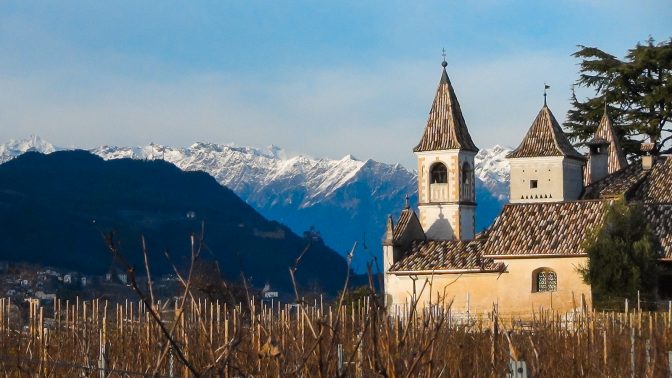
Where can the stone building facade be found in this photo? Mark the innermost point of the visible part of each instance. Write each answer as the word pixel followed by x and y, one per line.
pixel 527 259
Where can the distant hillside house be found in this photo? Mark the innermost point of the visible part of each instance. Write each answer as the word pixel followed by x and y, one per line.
pixel 528 258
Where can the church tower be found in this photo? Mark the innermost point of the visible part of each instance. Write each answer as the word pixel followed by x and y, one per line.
pixel 545 167
pixel 446 191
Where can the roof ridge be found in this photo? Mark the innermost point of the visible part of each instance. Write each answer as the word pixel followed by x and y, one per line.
pixel 559 202
pixel 555 135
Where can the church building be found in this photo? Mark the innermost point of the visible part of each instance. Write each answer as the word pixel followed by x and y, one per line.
pixel 528 258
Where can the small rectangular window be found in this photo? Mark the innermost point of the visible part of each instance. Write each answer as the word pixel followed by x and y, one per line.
pixel 533 184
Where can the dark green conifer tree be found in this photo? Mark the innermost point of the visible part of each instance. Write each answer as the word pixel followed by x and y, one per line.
pixel 622 256
pixel 638 90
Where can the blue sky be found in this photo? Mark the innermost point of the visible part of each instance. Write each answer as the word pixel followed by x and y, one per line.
pixel 320 78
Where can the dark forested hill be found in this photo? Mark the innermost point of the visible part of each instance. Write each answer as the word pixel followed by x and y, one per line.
pixel 54 207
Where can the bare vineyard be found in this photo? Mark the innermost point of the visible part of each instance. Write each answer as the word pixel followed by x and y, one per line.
pixel 360 339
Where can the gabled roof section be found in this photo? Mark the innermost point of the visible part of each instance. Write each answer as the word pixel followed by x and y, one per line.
pixel 407 231
pixel 605 134
pixel 545 138
pixel 543 229
pixel 618 184
pixel 446 256
pixel 636 183
pixel 407 220
pixel 446 128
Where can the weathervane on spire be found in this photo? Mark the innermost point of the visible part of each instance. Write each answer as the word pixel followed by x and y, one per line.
pixel 407 204
pixel 444 63
pixel 546 86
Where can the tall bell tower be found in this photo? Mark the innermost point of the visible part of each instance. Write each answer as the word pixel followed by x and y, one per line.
pixel 446 181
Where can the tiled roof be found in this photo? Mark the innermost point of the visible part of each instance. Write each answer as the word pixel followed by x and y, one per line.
pixel 617 184
pixel 605 134
pixel 545 138
pixel 636 183
pixel 647 147
pixel 543 228
pixel 605 131
pixel 660 219
pixel 455 255
pixel 446 128
pixel 404 220
pixel 657 187
pixel 597 141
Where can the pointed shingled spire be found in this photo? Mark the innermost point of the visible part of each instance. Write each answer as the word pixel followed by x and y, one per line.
pixel 545 138
pixel 446 128
pixel 605 133
pixel 389 231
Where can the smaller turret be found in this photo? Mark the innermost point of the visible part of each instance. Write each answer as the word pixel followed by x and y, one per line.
pixel 598 159
pixel 545 167
pixel 605 154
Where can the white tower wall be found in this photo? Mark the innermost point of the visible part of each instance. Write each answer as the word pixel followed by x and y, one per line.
pixel 447 210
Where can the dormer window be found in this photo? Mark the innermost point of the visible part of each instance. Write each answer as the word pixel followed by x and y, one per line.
pixel 438 174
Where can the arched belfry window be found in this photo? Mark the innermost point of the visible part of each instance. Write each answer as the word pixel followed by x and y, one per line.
pixel 544 279
pixel 438 174
pixel 467 182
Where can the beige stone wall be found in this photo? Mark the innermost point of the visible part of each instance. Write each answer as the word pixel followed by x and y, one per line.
pixel 512 290
pixel 467 222
pixel 573 179
pixel 440 214
pixel 558 179
pixel 440 221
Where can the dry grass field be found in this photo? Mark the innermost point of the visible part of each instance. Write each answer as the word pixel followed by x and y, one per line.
pixel 193 337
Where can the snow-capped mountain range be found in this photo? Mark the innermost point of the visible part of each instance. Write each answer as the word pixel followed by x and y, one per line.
pixel 347 200
pixel 14 148
pixel 493 171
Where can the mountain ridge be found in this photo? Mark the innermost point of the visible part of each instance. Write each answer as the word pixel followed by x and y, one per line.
pixel 54 209
pixel 346 199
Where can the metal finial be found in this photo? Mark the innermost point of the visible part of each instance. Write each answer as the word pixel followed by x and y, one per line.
pixel 406 203
pixel 546 86
pixel 444 63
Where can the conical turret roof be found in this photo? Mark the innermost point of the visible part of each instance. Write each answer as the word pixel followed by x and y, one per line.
pixel 446 128
pixel 545 138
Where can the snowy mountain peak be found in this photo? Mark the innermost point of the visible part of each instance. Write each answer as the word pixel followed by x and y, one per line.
pixel 493 170
pixel 16 147
pixel 497 150
pixel 349 157
pixel 277 152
